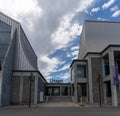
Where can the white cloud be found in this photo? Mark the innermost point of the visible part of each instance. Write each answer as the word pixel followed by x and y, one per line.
pixel 67 31
pixel 65 75
pixel 18 7
pixel 116 14
pixel 65 67
pixel 95 9
pixel 48 27
pixel 74 52
pixel 107 4
pixel 74 48
pixel 49 64
pixel 114 8
pixel 102 19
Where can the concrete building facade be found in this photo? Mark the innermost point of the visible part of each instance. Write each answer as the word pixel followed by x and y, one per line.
pixel 100 49
pixel 17 62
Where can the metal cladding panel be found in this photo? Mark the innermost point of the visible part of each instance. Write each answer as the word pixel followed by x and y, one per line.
pixel 5 36
pixel 27 49
pixel 11 22
pixel 98 35
pixel 7 69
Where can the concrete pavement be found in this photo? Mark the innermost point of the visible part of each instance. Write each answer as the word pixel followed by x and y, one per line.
pixel 61 105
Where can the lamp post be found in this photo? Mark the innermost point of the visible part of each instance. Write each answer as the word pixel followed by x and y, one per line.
pixel 30 84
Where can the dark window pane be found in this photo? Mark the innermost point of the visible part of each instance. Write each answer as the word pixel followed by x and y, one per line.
pixel 81 71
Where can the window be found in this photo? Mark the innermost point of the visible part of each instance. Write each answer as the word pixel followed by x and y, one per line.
pixel 108 92
pixel 83 86
pixel 117 60
pixel 81 71
pixel 106 65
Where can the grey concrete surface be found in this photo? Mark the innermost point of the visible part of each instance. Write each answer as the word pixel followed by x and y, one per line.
pixel 52 111
pixel 59 109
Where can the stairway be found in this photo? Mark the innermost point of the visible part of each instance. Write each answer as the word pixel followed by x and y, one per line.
pixel 61 99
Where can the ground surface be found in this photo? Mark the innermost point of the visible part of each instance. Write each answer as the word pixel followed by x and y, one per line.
pixel 72 110
pixel 59 112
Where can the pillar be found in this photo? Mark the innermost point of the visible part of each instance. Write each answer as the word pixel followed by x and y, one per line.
pixel 87 92
pixel 21 89
pixel 75 92
pixel 36 90
pixel 105 93
pixel 113 86
pixel 90 81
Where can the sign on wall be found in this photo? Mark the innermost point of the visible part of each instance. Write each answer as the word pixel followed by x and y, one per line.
pixel 56 81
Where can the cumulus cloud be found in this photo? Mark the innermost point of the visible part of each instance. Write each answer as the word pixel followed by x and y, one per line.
pixel 65 67
pixel 107 4
pixel 49 64
pixel 74 48
pixel 116 13
pixel 95 9
pixel 48 24
pixel 102 19
pixel 114 8
pixel 14 8
pixel 74 52
pixel 65 75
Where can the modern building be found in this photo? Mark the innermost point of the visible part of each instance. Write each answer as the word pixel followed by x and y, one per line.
pixel 95 74
pixel 18 65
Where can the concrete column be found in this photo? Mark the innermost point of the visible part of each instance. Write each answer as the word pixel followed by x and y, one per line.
pixel 75 92
pixel 104 93
pixel 60 90
pixel 90 81
pixel 113 86
pixel 36 90
pixel 21 89
pixel 87 99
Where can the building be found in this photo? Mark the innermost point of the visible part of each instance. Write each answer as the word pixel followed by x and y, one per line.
pixel 95 74
pixel 18 65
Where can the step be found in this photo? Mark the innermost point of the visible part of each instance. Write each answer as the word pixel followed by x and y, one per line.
pixel 61 99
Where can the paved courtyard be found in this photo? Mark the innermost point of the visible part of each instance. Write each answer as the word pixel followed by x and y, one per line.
pixel 59 109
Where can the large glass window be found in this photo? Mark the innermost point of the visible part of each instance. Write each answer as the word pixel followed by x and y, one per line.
pixel 117 60
pixel 84 91
pixel 106 65
pixel 81 71
pixel 64 91
pixel 108 92
pixel 5 33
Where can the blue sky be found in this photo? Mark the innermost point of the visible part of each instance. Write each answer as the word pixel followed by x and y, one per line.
pixel 53 28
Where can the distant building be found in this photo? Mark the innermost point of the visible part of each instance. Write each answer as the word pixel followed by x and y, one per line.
pixel 18 62
pixel 95 74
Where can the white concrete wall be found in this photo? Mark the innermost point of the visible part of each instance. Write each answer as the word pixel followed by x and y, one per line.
pixel 96 36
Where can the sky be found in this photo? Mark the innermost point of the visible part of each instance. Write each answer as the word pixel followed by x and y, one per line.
pixel 53 28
